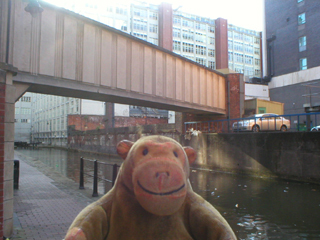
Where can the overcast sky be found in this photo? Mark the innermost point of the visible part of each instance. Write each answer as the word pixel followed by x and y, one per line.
pixel 242 13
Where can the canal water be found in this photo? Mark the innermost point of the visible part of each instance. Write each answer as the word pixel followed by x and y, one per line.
pixel 255 208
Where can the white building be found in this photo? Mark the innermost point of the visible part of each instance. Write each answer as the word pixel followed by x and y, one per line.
pixel 49 116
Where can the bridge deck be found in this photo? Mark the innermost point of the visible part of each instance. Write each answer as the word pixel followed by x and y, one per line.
pixel 62 53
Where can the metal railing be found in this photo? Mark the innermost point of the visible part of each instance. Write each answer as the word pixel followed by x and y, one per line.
pixel 298 122
pixel 95 174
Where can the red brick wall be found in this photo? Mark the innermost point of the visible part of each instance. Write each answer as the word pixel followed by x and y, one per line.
pixel 221 43
pixel 235 95
pixel 134 121
pixel 2 114
pixel 86 122
pixel 94 122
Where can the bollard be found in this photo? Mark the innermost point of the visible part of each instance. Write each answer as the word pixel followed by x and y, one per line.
pixel 16 173
pixel 81 182
pixel 95 179
pixel 114 173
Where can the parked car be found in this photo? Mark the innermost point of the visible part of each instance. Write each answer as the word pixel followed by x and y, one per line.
pixel 315 129
pixel 262 122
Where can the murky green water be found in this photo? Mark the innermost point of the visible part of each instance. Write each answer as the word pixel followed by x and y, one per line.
pixel 255 208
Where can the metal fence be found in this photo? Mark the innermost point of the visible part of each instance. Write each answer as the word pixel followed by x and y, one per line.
pixel 259 122
pixel 97 174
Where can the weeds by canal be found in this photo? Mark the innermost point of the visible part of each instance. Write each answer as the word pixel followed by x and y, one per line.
pixel 255 208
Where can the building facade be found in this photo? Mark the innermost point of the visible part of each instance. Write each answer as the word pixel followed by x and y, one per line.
pixel 210 42
pixel 23 119
pixel 49 114
pixel 292 38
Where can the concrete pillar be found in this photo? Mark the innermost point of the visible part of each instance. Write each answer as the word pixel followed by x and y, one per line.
pixel 109 114
pixel 180 118
pixel 7 101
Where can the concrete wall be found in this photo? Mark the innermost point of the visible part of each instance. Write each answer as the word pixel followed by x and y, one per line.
pixel 292 155
pixel 294 96
pixel 253 91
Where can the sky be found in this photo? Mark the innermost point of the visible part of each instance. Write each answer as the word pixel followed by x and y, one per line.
pixel 242 13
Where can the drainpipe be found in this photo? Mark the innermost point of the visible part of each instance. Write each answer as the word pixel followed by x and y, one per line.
pixel 8 31
pixel 270 59
pixel 228 104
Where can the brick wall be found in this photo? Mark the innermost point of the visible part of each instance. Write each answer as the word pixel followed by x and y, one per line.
pixel 106 141
pixel 86 122
pixel 236 95
pixel 95 122
pixel 2 115
pixel 134 121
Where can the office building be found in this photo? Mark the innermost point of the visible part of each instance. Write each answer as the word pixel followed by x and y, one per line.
pixel 292 37
pixel 23 119
pixel 43 118
pixel 211 42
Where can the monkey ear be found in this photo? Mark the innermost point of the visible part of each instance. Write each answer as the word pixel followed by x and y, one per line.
pixel 123 148
pixel 191 154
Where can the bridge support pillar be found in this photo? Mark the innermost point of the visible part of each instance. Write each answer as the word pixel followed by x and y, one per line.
pixel 7 101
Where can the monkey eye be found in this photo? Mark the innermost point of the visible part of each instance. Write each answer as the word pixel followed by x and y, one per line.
pixel 175 153
pixel 145 151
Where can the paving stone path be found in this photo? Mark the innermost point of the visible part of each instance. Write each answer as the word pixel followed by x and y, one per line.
pixel 44 207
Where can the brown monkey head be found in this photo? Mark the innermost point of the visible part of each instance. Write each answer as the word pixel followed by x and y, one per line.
pixel 156 169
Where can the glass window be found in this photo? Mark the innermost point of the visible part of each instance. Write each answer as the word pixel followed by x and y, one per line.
pixel 302 18
pixel 176 20
pixel 302 43
pixel 187 35
pixel 201 50
pixel 153 28
pixel 211 65
pixel 210 52
pixel 187 47
pixel 140 13
pixel 201 61
pixel 303 64
pixel 121 11
pixel 176 46
pixel 176 33
pixel 153 15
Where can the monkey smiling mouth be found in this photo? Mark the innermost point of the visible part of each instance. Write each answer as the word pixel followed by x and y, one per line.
pixel 161 194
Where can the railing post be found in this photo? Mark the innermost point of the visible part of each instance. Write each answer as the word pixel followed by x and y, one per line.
pixel 114 173
pixel 16 173
pixel 81 182
pixel 95 179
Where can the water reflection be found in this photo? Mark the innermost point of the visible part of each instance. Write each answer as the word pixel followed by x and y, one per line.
pixel 255 208
pixel 262 209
